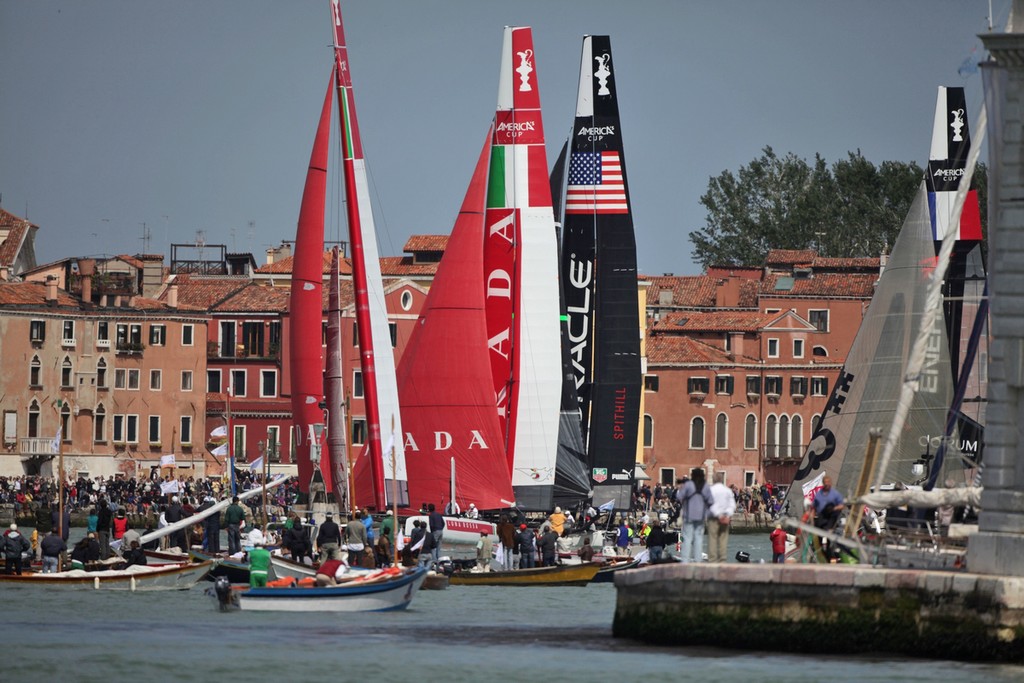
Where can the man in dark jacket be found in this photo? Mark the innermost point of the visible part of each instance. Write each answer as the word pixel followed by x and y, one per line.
pixel 525 540
pixel 174 514
pixel 297 541
pixel 87 550
pixel 106 520
pixel 436 530
pixel 328 540
pixel 233 518
pixel 14 544
pixel 211 527
pixel 656 541
pixel 52 546
pixel 546 545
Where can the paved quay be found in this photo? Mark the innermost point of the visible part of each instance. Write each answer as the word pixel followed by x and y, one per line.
pixel 837 609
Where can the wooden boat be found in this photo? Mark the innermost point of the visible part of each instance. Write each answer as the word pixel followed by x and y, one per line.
pixel 137 578
pixel 561 575
pixel 607 572
pixel 236 571
pixel 284 568
pixel 377 591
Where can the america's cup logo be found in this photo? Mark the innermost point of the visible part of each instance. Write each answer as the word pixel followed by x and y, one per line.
pixel 957 125
pixel 602 74
pixel 524 70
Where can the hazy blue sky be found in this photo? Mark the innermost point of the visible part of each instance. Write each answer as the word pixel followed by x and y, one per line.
pixel 198 115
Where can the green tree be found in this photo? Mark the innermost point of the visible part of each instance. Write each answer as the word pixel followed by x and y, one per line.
pixel 852 209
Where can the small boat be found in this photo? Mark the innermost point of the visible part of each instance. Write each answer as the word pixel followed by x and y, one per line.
pixel 236 571
pixel 136 578
pixel 607 572
pixel 284 568
pixel 561 575
pixel 435 581
pixel 377 591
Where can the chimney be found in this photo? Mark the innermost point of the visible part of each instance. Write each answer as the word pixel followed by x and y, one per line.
pixel 727 293
pixel 5 273
pixel 86 269
pixel 152 273
pixel 172 296
pixel 51 289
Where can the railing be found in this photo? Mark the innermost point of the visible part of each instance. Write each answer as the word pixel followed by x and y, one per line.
pixel 103 343
pixel 36 446
pixel 777 452
pixel 130 347
pixel 68 342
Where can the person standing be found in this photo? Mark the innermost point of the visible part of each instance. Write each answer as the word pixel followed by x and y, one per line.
pixel 175 514
pixel 233 518
pixel 355 540
pixel 778 538
pixel 557 521
pixel 436 529
pixel 723 506
pixel 656 541
pixel 695 500
pixel 259 566
pixel 484 550
pixel 525 541
pixel 368 523
pixel 622 538
pixel 211 527
pixel 104 520
pixel 13 546
pixel 328 539
pixel 546 546
pixel 52 546
pixel 507 537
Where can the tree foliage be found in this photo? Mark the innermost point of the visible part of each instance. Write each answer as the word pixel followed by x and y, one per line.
pixel 852 208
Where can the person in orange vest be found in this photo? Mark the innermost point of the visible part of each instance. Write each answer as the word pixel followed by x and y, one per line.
pixel 120 524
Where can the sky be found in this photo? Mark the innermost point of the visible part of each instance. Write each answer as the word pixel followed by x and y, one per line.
pixel 129 125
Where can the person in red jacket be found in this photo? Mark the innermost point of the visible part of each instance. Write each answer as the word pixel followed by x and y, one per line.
pixel 778 537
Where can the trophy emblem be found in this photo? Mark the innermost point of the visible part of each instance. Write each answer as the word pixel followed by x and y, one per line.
pixel 524 70
pixel 602 74
pixel 957 125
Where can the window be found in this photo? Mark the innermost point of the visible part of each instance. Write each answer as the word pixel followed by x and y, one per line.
pixel 724 384
pixel 158 335
pixel 393 329
pixel 65 422
pixel 66 370
pixel 773 348
pixel 773 385
pixel 103 333
pixel 357 384
pixel 358 431
pixel 186 380
pixel 10 428
pixel 268 383
pixel 650 382
pixel 750 432
pixel 783 436
pixel 126 429
pixel 154 429
pixel 129 337
pixel 99 424
pixel 818 318
pixel 238 382
pixel 156 380
pixel 819 386
pixel 753 385
pixel 798 348
pixel 133 380
pixel 355 334
pixel 188 335
pixel 770 311
pixel 796 439
pixel 227 339
pixel 101 373
pixel 771 437
pixel 35 371
pixel 820 352
pixel 648 431
pixel 120 378
pixel 213 381
pixel 274 443
pixel 667 475
pixel 33 419
pixel 239 443
pixel 37 331
pixel 67 334
pixel 748 478
pixel 252 338
pixel 722 431
pixel 697 385
pixel 275 338
pixel 406 300
pixel 697 432
pixel 119 429
pixel 185 430
pixel 798 387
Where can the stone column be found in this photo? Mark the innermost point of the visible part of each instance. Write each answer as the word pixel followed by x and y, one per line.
pixel 998 547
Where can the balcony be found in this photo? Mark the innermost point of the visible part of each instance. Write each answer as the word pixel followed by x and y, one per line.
pixel 130 348
pixel 103 343
pixel 68 343
pixel 36 446
pixel 781 453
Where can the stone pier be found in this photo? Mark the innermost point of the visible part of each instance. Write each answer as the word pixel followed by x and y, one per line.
pixel 824 609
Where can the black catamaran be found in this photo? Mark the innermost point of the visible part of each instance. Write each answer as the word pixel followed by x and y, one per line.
pixel 599 282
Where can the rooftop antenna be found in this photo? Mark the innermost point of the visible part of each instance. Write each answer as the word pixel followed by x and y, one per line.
pixel 252 232
pixel 145 238
pixel 200 242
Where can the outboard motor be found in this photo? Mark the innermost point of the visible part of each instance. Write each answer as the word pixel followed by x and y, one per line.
pixel 445 566
pixel 225 596
pixel 742 556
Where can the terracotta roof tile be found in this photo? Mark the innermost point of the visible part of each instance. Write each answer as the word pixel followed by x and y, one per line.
pixel 285 265
pixel 32 295
pixel 398 266
pixel 680 322
pixel 206 292
pixel 255 298
pixel 862 263
pixel 671 349
pixel 790 257
pixel 17 230
pixel 425 243
pixel 696 291
pixel 827 285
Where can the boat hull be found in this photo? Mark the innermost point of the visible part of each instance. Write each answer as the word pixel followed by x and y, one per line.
pixel 162 578
pixel 562 575
pixel 395 594
pixel 233 570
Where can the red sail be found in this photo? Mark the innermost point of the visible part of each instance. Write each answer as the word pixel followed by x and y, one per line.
pixel 306 306
pixel 447 406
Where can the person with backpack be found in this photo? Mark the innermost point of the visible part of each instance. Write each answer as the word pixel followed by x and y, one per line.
pixel 695 501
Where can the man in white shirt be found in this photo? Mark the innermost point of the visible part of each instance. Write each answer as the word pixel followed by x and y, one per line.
pixel 723 506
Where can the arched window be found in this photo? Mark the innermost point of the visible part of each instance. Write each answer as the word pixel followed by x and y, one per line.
pixel 648 431
pixel 697 433
pixel 722 431
pixel 750 432
pixel 35 370
pixel 99 424
pixel 783 436
pixel 65 422
pixel 65 373
pixel 815 421
pixel 797 439
pixel 771 437
pixel 33 419
pixel 820 352
pixel 101 374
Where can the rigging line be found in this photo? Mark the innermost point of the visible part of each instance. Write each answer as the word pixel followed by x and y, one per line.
pixel 932 307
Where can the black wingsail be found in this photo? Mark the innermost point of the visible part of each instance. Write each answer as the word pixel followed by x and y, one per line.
pixel 600 281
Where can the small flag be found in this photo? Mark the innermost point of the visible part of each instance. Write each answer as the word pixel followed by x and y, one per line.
pixel 219 432
pixel 596 184
pixel 220 450
pixel 55 444
pixel 607 507
pixel 256 464
pixel 167 487
pixel 167 460
pixel 811 487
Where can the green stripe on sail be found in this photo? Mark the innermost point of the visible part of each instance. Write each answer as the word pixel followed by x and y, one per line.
pixel 346 126
pixel 496 179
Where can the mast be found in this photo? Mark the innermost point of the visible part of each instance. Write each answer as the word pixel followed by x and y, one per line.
pixel 521 275
pixel 335 390
pixel 306 303
pixel 600 275
pixel 376 359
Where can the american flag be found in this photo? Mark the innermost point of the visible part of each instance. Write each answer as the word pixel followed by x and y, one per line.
pixel 595 184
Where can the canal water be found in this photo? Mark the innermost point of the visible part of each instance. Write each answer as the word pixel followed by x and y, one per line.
pixel 464 633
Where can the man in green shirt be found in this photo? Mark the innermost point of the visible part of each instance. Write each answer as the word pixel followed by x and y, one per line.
pixel 233 517
pixel 259 566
